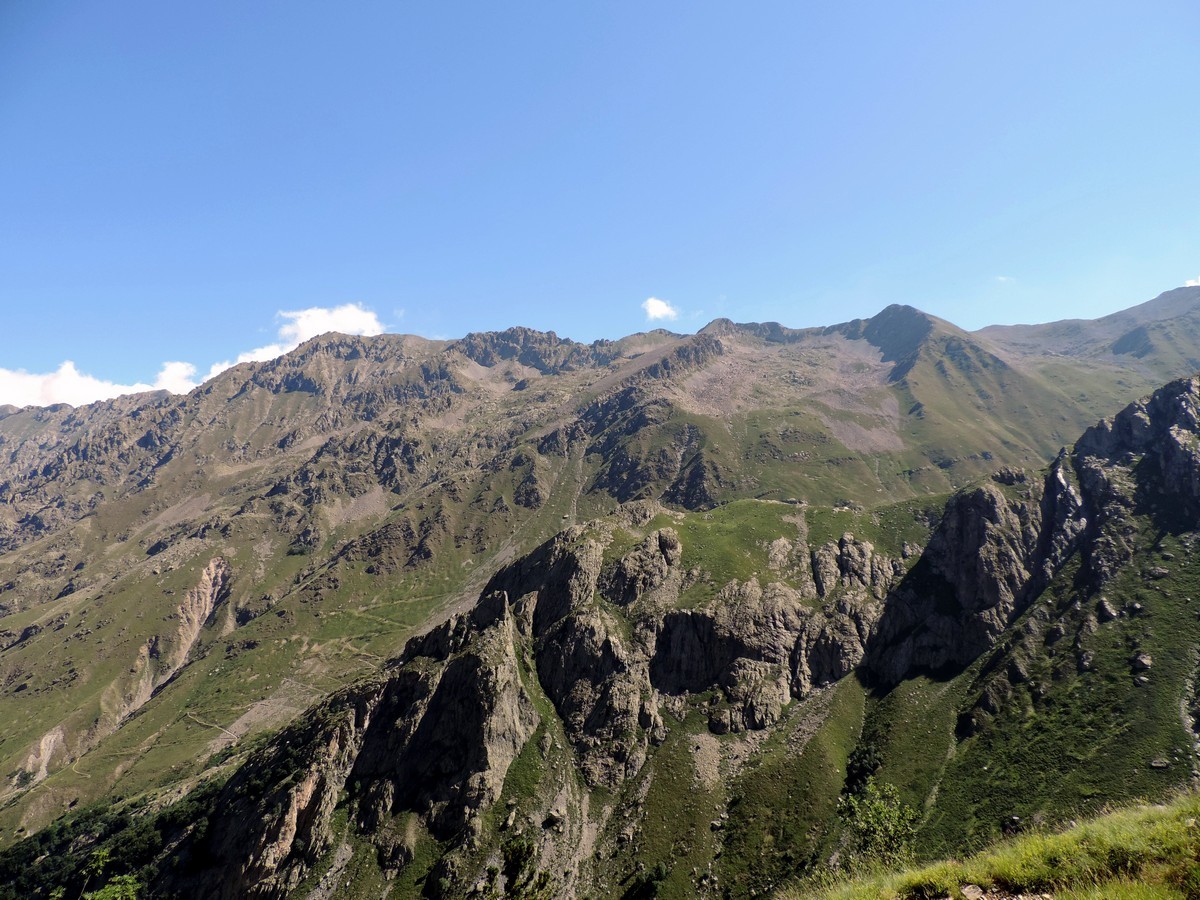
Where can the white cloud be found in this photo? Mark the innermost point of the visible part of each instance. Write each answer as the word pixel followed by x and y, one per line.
pixel 301 324
pixel 176 377
pixel 68 385
pixel 1192 282
pixel 659 309
pixel 1005 279
pixel 350 318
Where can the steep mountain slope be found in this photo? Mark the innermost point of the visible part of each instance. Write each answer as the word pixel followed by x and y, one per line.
pixel 1090 696
pixel 668 703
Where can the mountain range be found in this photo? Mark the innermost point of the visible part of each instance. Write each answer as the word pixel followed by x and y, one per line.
pixel 517 616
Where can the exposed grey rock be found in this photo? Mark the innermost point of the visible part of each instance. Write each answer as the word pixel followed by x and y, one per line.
pixel 987 559
pixel 1010 476
pixel 853 565
pixel 434 735
pixel 644 568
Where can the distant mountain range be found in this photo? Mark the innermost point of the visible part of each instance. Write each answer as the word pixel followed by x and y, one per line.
pixel 664 597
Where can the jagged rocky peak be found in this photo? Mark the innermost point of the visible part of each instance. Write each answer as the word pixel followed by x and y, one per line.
pixel 336 364
pixel 772 332
pixel 905 335
pixel 898 330
pixel 544 351
pixel 1165 428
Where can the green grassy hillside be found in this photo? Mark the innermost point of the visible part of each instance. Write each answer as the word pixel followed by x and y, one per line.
pixel 1135 853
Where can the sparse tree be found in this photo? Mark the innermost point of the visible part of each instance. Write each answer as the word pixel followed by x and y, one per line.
pixel 881 828
pixel 95 867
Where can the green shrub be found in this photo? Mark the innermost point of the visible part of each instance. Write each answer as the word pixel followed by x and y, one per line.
pixel 880 828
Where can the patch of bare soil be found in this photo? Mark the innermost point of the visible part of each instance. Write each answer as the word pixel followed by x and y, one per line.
pixel 726 385
pixel 861 439
pixel 497 379
pixel 706 754
pixel 374 503
pixel 183 511
pixel 974 892
pixel 827 368
pixel 275 711
pixel 810 715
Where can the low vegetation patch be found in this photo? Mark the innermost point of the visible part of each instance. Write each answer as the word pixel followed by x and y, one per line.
pixel 1142 852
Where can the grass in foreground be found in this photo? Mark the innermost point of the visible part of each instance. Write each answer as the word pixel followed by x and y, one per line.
pixel 1141 853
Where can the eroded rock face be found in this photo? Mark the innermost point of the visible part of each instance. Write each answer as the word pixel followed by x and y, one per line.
pixel 995 551
pixel 434 735
pixel 644 568
pixel 992 553
pixel 597 681
pixel 607 670
pixel 1148 456
pixel 852 565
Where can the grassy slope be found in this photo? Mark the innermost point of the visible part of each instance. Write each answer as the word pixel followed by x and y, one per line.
pixel 1066 741
pixel 289 657
pixel 782 809
pixel 1138 853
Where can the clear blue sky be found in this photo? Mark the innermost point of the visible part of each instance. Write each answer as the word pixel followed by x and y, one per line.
pixel 175 174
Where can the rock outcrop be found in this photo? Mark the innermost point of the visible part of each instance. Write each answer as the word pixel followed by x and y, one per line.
pixel 999 545
pixel 434 735
pixel 605 643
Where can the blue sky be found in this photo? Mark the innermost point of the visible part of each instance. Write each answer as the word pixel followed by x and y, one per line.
pixel 178 178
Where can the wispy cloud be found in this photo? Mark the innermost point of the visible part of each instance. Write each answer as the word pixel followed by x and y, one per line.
pixel 1192 282
pixel 67 384
pixel 657 310
pixel 1005 279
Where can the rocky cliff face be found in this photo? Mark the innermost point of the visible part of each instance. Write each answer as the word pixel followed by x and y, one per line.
pixel 995 549
pixel 434 736
pixel 999 545
pixel 602 638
